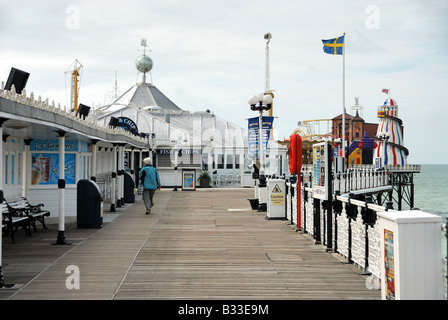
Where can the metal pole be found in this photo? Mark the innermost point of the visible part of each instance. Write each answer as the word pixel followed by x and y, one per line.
pixel 260 142
pixel 305 200
pixel 329 202
pixel 262 206
pixel 343 101
pixel 317 221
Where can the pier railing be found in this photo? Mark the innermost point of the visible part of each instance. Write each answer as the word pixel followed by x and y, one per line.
pixel 355 233
pixel 360 177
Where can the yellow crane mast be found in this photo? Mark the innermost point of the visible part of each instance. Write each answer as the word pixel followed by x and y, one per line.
pixel 75 71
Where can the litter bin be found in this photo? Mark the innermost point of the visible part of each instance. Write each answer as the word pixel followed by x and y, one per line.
pixel 276 199
pixel 89 205
pixel 129 188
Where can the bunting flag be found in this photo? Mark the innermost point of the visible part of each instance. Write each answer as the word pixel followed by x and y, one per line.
pixel 334 46
pixel 386 91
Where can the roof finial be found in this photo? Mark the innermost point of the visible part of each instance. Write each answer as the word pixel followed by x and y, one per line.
pixel 144 63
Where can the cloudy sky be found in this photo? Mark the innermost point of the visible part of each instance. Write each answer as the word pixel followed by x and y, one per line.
pixel 211 55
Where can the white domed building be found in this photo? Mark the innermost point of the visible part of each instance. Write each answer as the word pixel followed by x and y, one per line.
pixel 182 141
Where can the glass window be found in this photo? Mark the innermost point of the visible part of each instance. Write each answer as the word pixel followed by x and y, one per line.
pixel 6 169
pixel 12 168
pixel 229 161
pixel 220 161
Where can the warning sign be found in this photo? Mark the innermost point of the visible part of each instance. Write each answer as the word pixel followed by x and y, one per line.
pixel 277 197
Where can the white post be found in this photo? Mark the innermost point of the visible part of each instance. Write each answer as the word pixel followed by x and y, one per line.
pixel 114 178
pixel 61 186
pixel 120 175
pixel 140 160
pixel 25 168
pixel 94 155
pixel 131 161
pixel 118 169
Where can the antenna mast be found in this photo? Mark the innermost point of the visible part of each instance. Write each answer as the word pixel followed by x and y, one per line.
pixel 267 77
pixel 75 84
pixel 267 83
pixel 116 86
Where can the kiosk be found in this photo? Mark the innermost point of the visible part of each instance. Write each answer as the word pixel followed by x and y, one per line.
pixel 411 267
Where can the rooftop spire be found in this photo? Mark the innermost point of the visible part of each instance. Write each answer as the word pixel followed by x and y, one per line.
pixel 144 63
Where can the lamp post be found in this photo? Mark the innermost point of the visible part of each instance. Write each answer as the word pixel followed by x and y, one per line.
pixel 260 102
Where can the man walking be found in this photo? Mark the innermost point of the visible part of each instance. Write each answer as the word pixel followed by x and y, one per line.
pixel 149 178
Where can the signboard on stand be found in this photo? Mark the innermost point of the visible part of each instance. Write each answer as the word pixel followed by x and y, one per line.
pixel 188 179
pixel 321 170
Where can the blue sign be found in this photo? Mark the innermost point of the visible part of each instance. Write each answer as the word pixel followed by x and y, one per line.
pixel 253 126
pixel 45 168
pixel 253 133
pixel 127 124
pixel 53 145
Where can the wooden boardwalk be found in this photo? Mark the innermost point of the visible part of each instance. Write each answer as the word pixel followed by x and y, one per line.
pixel 203 244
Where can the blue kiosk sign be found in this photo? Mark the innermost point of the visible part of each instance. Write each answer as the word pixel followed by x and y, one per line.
pixel 127 124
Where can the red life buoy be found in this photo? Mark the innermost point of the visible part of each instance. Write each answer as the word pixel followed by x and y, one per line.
pixel 295 153
pixel 295 166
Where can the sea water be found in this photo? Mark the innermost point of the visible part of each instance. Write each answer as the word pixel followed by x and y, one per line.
pixel 431 193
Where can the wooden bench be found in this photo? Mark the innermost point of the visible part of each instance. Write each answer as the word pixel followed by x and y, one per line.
pixel 19 210
pixel 12 219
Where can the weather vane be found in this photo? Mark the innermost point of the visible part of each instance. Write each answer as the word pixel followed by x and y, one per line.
pixel 144 45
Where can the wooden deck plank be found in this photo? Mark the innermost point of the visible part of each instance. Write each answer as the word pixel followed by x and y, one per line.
pixel 190 247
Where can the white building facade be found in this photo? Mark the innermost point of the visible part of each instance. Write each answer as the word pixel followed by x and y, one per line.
pixel 181 140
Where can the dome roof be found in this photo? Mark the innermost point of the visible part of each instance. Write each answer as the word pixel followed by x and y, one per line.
pixel 389 102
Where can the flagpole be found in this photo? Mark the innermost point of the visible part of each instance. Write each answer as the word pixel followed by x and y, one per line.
pixel 343 100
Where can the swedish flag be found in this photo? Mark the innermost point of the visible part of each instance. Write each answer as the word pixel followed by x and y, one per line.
pixel 334 46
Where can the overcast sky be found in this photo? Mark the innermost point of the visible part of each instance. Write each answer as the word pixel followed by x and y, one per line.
pixel 211 55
